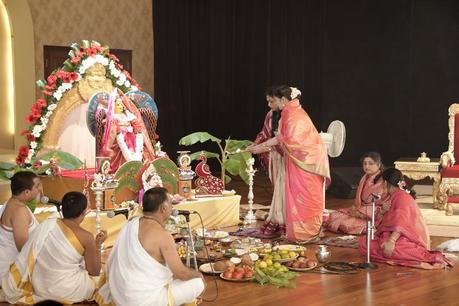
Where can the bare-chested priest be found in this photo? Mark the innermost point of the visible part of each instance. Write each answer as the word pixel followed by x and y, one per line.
pixel 59 262
pixel 16 219
pixel 144 267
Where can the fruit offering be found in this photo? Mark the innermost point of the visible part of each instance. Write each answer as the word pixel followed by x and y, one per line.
pixel 302 263
pixel 282 255
pixel 267 271
pixel 238 273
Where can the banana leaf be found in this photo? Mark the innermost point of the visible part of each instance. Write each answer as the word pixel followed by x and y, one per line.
pixel 232 145
pixel 207 154
pixel 196 137
pixel 126 176
pixel 64 160
pixel 227 179
pixel 7 166
pixel 232 165
pixel 168 172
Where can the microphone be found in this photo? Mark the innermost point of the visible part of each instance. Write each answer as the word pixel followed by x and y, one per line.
pixel 113 213
pixel 176 212
pixel 46 200
pixel 376 196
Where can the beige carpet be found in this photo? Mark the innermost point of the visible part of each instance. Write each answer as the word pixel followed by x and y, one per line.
pixel 438 223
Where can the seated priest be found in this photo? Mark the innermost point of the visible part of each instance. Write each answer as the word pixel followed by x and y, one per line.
pixel 16 219
pixel 155 275
pixel 402 237
pixel 60 261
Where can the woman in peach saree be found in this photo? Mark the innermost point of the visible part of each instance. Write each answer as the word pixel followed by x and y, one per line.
pixel 353 220
pixel 306 166
pixel 402 237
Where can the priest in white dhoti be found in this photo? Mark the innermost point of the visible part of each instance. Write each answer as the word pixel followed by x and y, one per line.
pixel 59 262
pixel 16 219
pixel 144 267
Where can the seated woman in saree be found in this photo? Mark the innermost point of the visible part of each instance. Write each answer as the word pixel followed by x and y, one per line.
pixel 402 237
pixel 353 220
pixel 272 159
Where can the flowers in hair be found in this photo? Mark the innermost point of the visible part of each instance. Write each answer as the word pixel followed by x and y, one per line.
pixel 402 185
pixel 295 93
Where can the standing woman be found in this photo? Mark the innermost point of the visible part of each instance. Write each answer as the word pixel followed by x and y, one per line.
pixel 353 220
pixel 306 166
pixel 272 159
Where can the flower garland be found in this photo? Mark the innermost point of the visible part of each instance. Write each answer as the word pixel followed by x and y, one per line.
pixel 81 58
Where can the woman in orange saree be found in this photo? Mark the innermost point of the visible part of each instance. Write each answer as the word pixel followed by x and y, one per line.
pixel 353 220
pixel 402 237
pixel 306 166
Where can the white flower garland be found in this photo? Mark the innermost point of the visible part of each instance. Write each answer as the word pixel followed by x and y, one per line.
pixel 127 153
pixel 295 93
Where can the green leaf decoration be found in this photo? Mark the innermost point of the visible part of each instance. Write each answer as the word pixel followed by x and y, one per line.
pixel 64 160
pixel 232 145
pixel 7 166
pixel 227 179
pixel 126 176
pixel 207 154
pixel 168 172
pixel 196 137
pixel 232 166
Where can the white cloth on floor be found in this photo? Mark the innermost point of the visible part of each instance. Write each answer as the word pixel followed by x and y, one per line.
pixel 50 266
pixel 134 278
pixel 8 249
pixel 450 245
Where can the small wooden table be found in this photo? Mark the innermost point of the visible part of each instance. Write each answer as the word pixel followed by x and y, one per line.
pixel 415 170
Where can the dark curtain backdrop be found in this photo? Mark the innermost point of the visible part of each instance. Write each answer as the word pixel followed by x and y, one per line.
pixel 388 69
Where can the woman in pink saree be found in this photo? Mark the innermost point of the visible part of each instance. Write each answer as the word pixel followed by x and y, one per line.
pixel 402 237
pixel 306 166
pixel 353 220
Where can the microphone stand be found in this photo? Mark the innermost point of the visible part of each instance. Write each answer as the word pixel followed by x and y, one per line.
pixel 370 236
pixel 191 245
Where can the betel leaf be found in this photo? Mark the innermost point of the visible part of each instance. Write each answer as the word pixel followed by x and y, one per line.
pixel 196 137
pixel 207 154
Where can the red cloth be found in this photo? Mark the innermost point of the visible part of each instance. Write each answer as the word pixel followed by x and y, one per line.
pixel 456 136
pixel 264 135
pixel 78 173
pixel 412 248
pixel 452 172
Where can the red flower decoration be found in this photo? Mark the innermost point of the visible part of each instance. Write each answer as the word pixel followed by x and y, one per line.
pixel 41 102
pixel 37 164
pixel 30 138
pixel 52 80
pixel 22 155
pixel 91 51
pixel 75 60
pixel 47 93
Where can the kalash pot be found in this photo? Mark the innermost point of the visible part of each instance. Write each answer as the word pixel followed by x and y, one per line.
pixel 323 254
